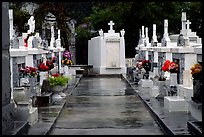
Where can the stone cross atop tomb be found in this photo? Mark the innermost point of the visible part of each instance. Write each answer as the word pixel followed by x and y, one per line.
pixel 143 35
pixel 111 27
pixel 166 40
pixel 142 38
pixel 183 20
pixel 58 41
pixel 52 41
pixel 188 27
pixel 189 36
pixel 146 37
pixel 11 23
pixel 154 37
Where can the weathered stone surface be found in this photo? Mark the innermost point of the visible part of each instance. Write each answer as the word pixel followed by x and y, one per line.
pixel 7 108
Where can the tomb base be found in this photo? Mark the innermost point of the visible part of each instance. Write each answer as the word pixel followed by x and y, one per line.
pixel 43 100
pixel 175 103
pixel 146 83
pixel 195 110
pixel 162 90
pixel 25 112
pixel 155 91
pixel 185 92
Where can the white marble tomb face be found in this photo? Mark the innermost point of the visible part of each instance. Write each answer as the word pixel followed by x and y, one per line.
pixel 113 52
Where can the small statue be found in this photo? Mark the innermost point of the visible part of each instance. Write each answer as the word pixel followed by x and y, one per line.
pixel 31 23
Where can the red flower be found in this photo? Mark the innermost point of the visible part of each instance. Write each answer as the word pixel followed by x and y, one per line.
pixel 165 67
pixel 50 64
pixel 56 75
pixel 28 71
pixel 43 67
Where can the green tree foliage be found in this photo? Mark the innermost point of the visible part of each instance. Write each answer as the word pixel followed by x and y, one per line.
pixel 129 16
pixel 133 15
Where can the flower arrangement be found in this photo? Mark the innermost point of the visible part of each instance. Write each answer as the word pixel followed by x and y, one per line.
pixel 161 78
pixel 67 58
pixel 173 67
pixel 170 66
pixel 146 65
pixel 43 67
pixel 139 65
pixel 49 64
pixel 28 71
pixel 26 39
pixel 54 59
pixel 57 79
pixel 165 67
pixel 196 71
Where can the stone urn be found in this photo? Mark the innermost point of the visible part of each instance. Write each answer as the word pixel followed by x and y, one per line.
pixel 173 79
pixel 20 94
pixel 56 97
pixel 161 86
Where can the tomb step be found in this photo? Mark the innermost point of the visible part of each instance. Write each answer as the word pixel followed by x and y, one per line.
pixel 146 83
pixel 195 127
pixel 20 128
pixel 43 100
pixel 175 103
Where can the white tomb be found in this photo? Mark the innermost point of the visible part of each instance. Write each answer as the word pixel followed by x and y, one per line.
pixel 185 47
pixel 107 52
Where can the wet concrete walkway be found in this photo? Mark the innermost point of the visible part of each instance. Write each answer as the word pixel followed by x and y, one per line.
pixel 105 106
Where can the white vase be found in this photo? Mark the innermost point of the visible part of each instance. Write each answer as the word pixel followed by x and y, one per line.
pixel 162 91
pixel 173 79
pixel 24 81
pixel 43 75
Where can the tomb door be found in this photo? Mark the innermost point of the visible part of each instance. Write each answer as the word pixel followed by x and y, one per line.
pixel 112 54
pixel 35 61
pixel 151 59
pixel 57 57
pixel 179 58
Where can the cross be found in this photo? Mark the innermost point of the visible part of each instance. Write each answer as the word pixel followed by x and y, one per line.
pixel 188 24
pixel 111 25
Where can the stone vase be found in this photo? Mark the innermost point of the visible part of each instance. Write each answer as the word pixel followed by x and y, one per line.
pixel 173 79
pixel 32 81
pixel 24 81
pixel 197 96
pixel 43 75
pixel 162 91
pixel 20 94
pixel 56 97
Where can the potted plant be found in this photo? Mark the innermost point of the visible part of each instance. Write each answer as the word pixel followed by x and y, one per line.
pixel 43 72
pixel 172 68
pixel 50 64
pixel 67 58
pixel 196 72
pixel 57 84
pixel 28 74
pixel 28 77
pixel 159 80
